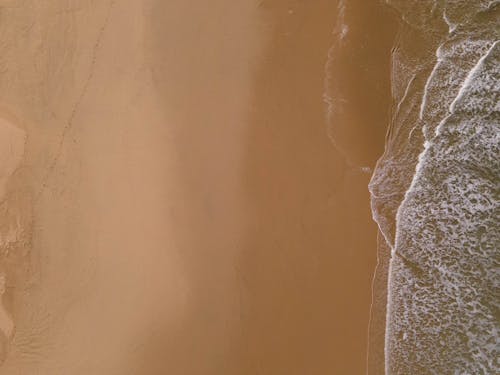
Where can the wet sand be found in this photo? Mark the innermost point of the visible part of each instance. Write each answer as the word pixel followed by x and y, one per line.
pixel 188 212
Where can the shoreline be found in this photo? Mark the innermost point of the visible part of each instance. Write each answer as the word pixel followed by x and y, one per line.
pixel 198 218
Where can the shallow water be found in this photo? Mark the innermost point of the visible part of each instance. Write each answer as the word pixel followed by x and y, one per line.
pixel 435 191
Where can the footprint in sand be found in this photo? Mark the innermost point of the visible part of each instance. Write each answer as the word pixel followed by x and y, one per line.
pixel 6 322
pixel 12 141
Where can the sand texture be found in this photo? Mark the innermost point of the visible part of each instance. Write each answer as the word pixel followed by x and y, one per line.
pixel 183 185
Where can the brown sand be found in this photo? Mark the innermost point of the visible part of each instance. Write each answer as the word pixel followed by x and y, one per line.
pixel 187 212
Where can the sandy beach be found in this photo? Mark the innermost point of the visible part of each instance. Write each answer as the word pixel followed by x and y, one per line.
pixel 180 206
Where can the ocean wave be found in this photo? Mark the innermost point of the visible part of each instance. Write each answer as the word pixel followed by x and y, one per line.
pixel 435 193
pixel 444 279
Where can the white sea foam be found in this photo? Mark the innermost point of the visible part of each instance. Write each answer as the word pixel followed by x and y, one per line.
pixel 454 60
pixel 444 284
pixel 444 281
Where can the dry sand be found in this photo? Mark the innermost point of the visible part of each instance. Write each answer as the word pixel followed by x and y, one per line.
pixel 180 208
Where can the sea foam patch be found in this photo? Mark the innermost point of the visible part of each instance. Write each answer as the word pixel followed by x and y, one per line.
pixel 444 205
pixel 444 278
